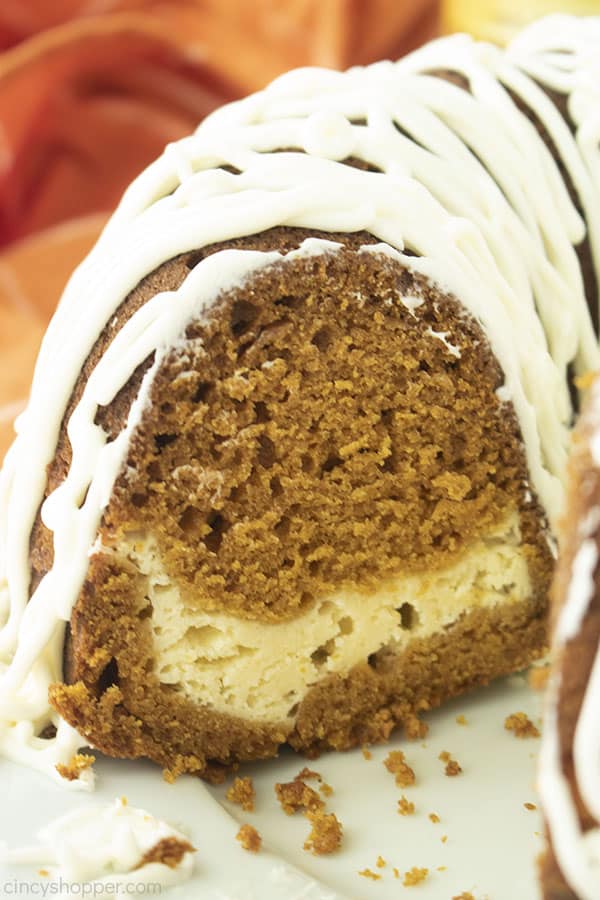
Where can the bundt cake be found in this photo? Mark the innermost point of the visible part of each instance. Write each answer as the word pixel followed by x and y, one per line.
pixel 293 456
pixel 569 778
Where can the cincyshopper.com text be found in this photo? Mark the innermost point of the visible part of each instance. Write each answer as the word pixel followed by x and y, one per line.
pixel 66 889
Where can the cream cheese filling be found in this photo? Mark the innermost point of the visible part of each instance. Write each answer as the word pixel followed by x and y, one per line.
pixel 261 672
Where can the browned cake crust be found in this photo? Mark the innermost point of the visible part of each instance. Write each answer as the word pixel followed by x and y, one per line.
pixel 575 663
pixel 357 453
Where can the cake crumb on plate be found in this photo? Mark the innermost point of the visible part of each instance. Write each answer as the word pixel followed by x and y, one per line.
pixel 249 838
pixel 295 795
pixel 405 807
pixel 395 762
pixel 368 873
pixel 242 792
pixel 452 766
pixel 326 833
pixel 521 725
pixel 168 851
pixel 414 876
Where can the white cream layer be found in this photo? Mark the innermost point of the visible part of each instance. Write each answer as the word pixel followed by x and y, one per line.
pixel 503 243
pixel 95 851
pixel 261 671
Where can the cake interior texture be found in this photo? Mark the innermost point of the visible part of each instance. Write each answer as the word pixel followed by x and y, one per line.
pixel 323 526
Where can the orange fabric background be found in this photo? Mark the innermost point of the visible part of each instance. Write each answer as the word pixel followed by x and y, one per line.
pixel 92 90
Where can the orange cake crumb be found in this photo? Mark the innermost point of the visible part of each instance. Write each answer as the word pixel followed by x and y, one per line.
pixel 414 876
pixel 396 872
pixel 43 873
pixel 326 833
pixel 249 838
pixel 405 807
pixel 414 728
pixel 76 765
pixel 242 792
pixel 381 863
pixel 169 851
pixel 306 774
pixel 444 838
pixel 452 766
pixel 442 868
pixel 294 795
pixel 461 720
pixel 326 789
pixel 530 806
pixel 434 818
pixel 367 753
pixel 466 895
pixel 368 873
pixel 538 678
pixel 395 763
pixel 521 725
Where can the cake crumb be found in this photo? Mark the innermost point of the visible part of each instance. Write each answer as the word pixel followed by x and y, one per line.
pixel 452 766
pixel 414 876
pixel 186 765
pixel 326 789
pixel 396 872
pixel 294 795
pixel 466 895
pixel 537 678
pixel 461 720
pixel 368 873
pixel 306 774
pixel 395 763
pixel 249 838
pixel 381 863
pixel 76 765
pixel 326 833
pixel 242 792
pixel 444 838
pixel 405 807
pixel 168 851
pixel 433 817
pixel 530 806
pixel 43 873
pixel 367 753
pixel 521 725
pixel 414 728
pixel 442 868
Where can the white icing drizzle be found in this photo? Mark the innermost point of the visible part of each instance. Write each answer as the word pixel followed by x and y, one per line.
pixel 494 226
pixel 98 847
pixel 563 54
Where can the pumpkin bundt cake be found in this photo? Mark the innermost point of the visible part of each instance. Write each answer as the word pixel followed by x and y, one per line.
pixel 294 451
pixel 569 775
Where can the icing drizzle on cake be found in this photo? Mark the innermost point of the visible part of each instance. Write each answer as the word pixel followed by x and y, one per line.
pixel 459 177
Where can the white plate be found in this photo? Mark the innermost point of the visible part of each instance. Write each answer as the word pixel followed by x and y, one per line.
pixel 492 839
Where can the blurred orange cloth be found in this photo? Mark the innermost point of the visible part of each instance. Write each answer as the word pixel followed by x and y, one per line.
pixel 90 92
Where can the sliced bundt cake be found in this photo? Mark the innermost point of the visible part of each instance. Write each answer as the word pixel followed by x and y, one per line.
pixel 296 437
pixel 570 758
